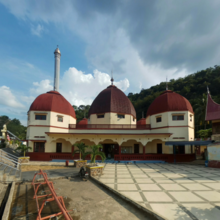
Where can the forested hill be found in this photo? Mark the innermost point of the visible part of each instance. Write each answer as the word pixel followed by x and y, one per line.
pixel 192 87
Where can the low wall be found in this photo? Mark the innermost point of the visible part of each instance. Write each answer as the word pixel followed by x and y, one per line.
pixel 58 156
pixel 169 158
pixel 214 164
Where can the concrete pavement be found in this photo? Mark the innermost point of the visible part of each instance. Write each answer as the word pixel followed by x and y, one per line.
pixel 180 192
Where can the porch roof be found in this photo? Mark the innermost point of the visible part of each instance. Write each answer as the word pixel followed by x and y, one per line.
pixel 204 143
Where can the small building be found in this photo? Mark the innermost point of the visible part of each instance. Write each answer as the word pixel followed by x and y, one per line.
pixel 52 129
pixel 213 114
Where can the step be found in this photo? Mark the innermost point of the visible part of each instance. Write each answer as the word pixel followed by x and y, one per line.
pixel 2 168
pixel 6 173
pixel 11 176
pixel 17 176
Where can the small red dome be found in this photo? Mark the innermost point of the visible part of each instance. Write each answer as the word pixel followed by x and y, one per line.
pixel 52 101
pixel 84 121
pixel 169 101
pixel 142 121
pixel 112 99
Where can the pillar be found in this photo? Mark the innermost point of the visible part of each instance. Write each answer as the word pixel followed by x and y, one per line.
pixel 144 152
pixel 119 148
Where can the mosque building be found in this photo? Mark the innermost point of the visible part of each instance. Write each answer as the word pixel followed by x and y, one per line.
pixel 166 133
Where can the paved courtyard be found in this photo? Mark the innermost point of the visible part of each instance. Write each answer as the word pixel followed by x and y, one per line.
pixel 174 191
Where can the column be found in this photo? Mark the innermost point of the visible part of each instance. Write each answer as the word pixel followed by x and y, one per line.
pixel 144 152
pixel 119 149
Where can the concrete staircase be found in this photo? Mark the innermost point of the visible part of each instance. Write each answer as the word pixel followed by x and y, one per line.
pixel 10 168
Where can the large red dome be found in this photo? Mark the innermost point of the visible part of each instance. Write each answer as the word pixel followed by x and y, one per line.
pixel 169 101
pixel 112 99
pixel 52 101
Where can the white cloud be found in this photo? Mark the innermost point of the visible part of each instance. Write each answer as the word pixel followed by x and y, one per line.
pixel 42 87
pixel 81 89
pixel 8 99
pixel 37 30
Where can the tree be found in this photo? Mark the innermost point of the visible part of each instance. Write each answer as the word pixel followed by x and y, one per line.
pixel 14 126
pixel 205 133
pixel 200 110
pixel 82 150
pixel 95 152
pixel 23 148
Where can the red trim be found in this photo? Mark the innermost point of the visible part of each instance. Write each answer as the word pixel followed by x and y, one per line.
pixel 214 163
pixel 47 126
pixel 164 157
pixel 172 127
pixel 109 134
pixel 68 156
pixel 38 140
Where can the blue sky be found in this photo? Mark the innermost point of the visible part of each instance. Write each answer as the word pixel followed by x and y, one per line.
pixel 141 41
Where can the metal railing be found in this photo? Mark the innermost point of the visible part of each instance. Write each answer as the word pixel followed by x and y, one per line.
pixel 110 126
pixel 10 160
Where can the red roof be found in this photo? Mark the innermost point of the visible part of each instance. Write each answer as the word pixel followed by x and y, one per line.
pixel 84 121
pixel 52 101
pixel 112 99
pixel 212 109
pixel 142 121
pixel 169 101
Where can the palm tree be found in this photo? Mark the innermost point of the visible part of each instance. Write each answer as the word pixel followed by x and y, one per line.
pixel 81 150
pixel 23 148
pixel 200 111
pixel 95 152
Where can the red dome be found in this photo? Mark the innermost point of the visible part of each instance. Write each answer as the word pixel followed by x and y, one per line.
pixel 112 99
pixel 169 101
pixel 142 121
pixel 84 121
pixel 52 101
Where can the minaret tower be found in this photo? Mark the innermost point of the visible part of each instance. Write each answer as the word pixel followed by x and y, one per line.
pixel 57 69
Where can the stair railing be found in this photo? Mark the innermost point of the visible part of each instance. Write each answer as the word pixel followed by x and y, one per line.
pixel 12 161
pixel 6 154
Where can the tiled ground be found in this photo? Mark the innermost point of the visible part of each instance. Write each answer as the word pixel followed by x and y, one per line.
pixel 175 191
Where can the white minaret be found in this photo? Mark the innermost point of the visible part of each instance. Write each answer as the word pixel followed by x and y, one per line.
pixel 57 69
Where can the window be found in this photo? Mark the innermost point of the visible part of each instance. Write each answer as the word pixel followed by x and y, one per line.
pixel 126 150
pixel 59 148
pixel 39 146
pixel 159 119
pixel 40 117
pixel 178 117
pixel 191 117
pixel 121 116
pixel 136 148
pixel 101 116
pixel 60 118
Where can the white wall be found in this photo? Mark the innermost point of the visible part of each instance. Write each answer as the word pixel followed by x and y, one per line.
pixel 111 118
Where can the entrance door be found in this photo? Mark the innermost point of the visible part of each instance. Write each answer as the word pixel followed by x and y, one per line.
pixel 159 148
pixel 179 149
pixel 136 148
pixel 59 147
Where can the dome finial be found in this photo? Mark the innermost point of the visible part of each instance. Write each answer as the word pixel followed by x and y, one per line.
pixel 166 84
pixel 207 89
pixel 112 80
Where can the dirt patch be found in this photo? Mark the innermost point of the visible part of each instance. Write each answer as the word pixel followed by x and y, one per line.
pixel 25 168
pixel 86 199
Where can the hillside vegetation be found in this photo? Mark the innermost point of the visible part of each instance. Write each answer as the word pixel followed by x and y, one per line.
pixel 193 87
